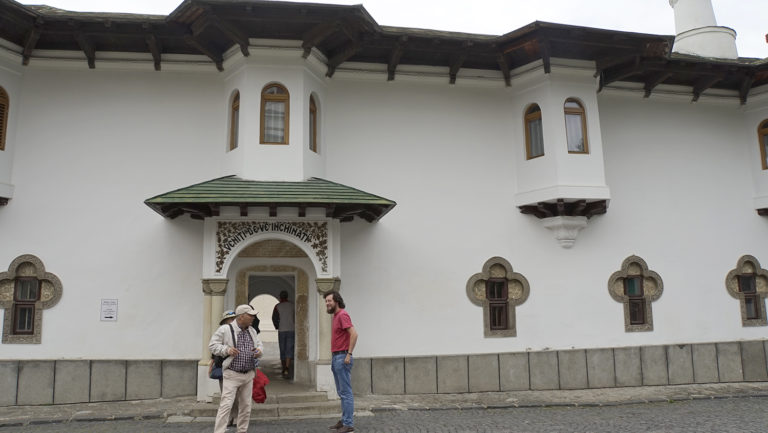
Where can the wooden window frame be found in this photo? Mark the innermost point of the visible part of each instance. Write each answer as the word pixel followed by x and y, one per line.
pixel 529 117
pixel 583 115
pixel 19 304
pixel 5 104
pixel 498 306
pixel 234 120
pixel 283 97
pixel 312 124
pixel 750 296
pixel 762 136
pixel 636 300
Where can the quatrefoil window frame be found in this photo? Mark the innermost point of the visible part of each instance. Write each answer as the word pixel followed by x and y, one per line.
pixel 518 290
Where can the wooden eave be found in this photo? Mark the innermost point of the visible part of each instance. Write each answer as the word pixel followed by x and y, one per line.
pixel 205 199
pixel 349 34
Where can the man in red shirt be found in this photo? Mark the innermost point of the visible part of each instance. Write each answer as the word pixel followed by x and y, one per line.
pixel 343 340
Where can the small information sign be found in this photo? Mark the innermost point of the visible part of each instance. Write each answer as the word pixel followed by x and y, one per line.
pixel 109 310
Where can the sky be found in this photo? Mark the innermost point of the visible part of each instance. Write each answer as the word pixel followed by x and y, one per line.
pixel 496 17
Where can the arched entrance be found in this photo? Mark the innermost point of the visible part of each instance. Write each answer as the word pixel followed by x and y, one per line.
pixel 254 279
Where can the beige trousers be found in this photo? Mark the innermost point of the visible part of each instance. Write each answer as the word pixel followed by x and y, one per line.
pixel 236 386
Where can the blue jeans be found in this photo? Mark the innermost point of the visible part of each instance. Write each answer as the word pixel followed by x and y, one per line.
pixel 286 341
pixel 342 375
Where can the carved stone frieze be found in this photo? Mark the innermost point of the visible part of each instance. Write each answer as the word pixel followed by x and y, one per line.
pixel 230 234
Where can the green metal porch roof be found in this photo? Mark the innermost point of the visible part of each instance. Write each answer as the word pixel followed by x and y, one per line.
pixel 205 199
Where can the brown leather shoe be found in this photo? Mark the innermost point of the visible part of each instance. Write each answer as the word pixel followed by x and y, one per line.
pixel 336 426
pixel 345 429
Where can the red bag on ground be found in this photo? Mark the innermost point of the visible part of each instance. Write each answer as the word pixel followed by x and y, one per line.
pixel 261 380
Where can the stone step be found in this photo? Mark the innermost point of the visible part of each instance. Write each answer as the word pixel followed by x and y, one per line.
pixel 282 410
pixel 302 397
pixel 297 397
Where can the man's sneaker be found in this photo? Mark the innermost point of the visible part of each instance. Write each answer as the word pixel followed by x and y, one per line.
pixel 345 429
pixel 337 426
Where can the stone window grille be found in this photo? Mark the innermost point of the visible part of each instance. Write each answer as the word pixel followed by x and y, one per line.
pixel 26 289
pixel 636 287
pixel 498 290
pixel 748 283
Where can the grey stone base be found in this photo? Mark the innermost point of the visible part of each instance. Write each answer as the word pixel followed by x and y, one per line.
pixel 36 382
pixel 741 361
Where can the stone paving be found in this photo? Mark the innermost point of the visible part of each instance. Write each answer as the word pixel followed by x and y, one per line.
pixel 727 407
pixel 744 415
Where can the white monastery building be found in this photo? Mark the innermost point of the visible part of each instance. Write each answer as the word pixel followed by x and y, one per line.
pixel 558 207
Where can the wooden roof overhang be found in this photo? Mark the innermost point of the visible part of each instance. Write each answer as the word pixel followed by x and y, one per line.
pixel 349 34
pixel 205 199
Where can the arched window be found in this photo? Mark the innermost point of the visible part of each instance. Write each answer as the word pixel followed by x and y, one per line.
pixel 234 120
pixel 312 124
pixel 274 114
pixel 3 117
pixel 575 126
pixel 534 132
pixel 762 134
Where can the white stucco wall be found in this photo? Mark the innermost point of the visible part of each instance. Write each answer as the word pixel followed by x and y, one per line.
pixel 10 81
pixel 91 146
pixel 681 199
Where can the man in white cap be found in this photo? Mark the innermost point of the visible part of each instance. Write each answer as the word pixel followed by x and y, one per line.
pixel 238 342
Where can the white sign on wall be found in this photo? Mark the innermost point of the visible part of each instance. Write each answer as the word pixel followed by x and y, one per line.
pixel 109 310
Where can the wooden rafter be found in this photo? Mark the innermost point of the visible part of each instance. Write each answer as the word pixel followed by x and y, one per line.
pixel 703 84
pixel 504 67
pixel 654 81
pixel 87 47
pixel 348 51
pixel 395 55
pixel 616 74
pixel 457 60
pixel 746 84
pixel 154 47
pixel 318 34
pixel 211 53
pixel 546 53
pixel 29 44
pixel 232 32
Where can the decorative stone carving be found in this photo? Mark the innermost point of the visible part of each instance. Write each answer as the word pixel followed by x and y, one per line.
pixel 325 285
pixel 229 234
pixel 653 287
pixel 214 286
pixel 565 218
pixel 565 228
pixel 748 265
pixel 51 290
pixel 517 293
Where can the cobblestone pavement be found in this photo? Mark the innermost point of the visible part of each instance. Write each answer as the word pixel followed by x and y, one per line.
pixel 749 414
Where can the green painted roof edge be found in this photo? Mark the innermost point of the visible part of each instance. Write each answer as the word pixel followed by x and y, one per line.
pixel 333 197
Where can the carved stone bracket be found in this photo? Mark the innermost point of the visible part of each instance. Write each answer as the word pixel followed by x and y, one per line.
pixel 565 228
pixel 565 218
pixel 325 285
pixel 214 286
